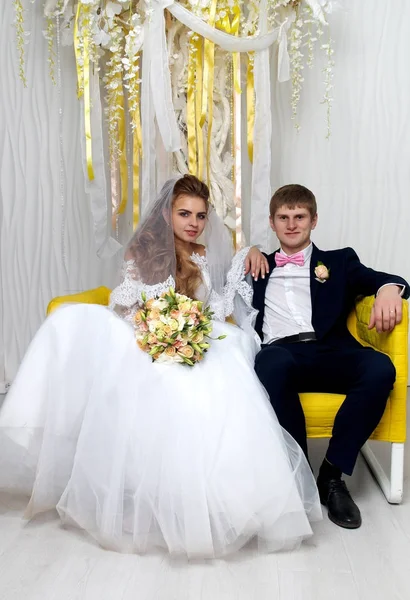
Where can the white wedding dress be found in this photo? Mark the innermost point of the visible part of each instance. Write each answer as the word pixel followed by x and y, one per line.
pixel 144 455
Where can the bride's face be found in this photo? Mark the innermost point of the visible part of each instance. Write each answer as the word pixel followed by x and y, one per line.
pixel 188 217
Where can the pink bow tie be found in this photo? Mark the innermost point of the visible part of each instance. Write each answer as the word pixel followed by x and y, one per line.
pixel 296 259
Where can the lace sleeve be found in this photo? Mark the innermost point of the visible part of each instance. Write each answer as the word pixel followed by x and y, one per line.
pixel 238 296
pixel 236 284
pixel 126 297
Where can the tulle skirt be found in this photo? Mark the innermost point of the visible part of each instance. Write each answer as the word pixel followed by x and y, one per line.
pixel 144 455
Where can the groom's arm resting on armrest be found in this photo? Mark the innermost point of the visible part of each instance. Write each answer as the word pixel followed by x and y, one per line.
pixel 387 308
pixel 388 289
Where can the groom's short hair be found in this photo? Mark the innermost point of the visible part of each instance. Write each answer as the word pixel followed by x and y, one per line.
pixel 293 195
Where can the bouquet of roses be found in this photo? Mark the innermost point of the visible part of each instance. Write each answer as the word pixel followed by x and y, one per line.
pixel 172 328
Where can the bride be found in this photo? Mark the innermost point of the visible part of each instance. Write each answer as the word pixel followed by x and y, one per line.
pixel 142 454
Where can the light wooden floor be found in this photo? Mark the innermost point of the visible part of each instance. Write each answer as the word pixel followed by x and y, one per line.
pixel 43 561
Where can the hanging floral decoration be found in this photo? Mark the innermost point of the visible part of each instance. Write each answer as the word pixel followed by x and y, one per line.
pixel 172 76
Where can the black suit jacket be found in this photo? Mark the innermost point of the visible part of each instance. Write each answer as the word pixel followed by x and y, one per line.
pixel 333 300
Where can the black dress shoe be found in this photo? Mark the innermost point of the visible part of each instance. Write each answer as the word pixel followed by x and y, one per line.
pixel 341 508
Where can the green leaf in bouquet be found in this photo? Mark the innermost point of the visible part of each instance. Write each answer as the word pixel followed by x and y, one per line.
pixel 188 361
pixel 155 350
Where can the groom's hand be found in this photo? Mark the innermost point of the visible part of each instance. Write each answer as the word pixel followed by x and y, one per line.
pixel 387 309
pixel 256 263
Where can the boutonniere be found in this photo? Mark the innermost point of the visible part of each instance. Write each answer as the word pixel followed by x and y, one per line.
pixel 322 272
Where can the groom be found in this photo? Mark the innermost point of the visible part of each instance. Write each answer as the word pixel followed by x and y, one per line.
pixel 303 306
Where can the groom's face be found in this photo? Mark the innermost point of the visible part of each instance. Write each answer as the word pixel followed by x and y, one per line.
pixel 293 227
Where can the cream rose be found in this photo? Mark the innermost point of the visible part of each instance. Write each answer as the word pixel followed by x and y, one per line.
pixel 187 351
pixel 167 330
pixel 152 339
pixel 138 317
pixel 322 272
pixel 170 351
pixel 198 338
pixel 185 307
pixel 141 345
pixel 154 314
pixel 173 324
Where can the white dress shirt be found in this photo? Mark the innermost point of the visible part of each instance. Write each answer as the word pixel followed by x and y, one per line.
pixel 288 303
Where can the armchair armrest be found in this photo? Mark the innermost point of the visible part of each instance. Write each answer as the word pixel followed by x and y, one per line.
pixel 392 427
pixel 393 344
pixel 100 295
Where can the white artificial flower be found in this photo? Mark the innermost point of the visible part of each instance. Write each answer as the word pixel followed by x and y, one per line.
pixel 101 38
pixel 112 9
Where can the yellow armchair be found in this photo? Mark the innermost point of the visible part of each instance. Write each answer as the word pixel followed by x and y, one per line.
pixel 100 295
pixel 320 409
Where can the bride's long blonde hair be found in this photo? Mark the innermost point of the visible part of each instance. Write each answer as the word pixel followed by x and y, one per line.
pixel 153 258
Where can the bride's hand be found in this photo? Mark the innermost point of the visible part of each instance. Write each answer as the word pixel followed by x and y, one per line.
pixel 256 263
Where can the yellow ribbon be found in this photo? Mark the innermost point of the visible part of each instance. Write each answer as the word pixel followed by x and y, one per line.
pixel 198 106
pixel 114 192
pixel 190 109
pixel 137 153
pixel 236 57
pixel 80 80
pixel 250 106
pixel 137 122
pixel 87 101
pixel 210 119
pixel 135 182
pixel 122 127
pixel 232 28
pixel 209 56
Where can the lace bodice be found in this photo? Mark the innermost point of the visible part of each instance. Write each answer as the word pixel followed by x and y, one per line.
pixel 127 297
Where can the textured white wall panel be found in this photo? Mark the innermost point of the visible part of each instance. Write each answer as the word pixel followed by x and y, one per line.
pixel 32 269
pixel 361 176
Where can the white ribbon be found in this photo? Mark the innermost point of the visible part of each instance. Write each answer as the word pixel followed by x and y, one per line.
pixel 261 186
pixel 148 191
pixel 318 8
pixel 106 246
pixel 156 99
pixel 226 41
pixel 161 77
pixel 283 55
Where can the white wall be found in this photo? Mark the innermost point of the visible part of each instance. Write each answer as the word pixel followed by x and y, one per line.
pixel 360 177
pixel 32 270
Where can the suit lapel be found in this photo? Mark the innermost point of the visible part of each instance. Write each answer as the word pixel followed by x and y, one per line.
pixel 314 284
pixel 271 261
pixel 261 284
pixel 317 256
pixel 259 288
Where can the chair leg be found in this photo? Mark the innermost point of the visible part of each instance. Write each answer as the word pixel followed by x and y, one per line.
pixel 392 486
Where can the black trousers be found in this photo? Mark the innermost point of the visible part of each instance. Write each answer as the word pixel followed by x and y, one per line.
pixel 363 374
